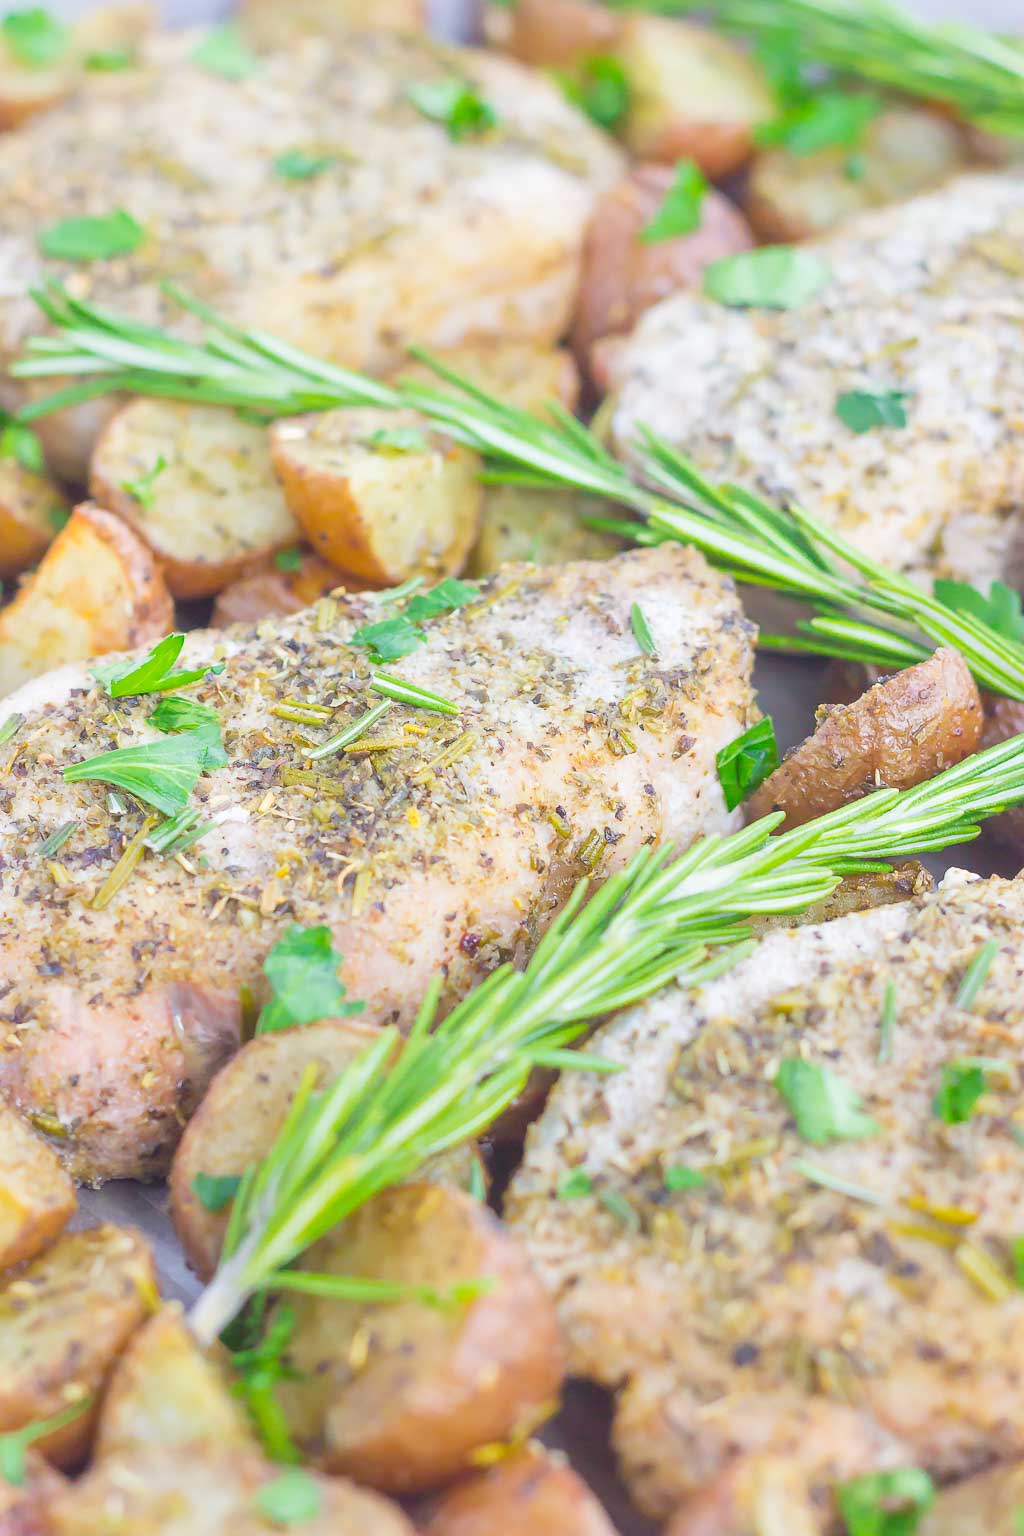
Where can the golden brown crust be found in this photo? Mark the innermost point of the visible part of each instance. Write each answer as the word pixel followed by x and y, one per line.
pixel 902 731
pixel 37 1197
pixel 530 1490
pixel 554 33
pixel 32 510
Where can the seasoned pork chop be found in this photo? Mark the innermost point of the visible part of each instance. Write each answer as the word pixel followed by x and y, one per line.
pixel 405 233
pixel 446 847
pixel 758 1311
pixel 925 299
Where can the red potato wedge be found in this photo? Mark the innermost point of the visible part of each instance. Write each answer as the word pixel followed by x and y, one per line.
pixel 757 1496
pixel 273 25
pixel 623 276
pixel 986 1505
pixel 902 731
pixel 37 1197
pixel 24 1508
pixel 519 372
pixel 97 589
pixel 558 33
pixel 215 505
pixel 64 1319
pixel 268 591
pixel 545 527
pixel 1004 718
pixel 208 1490
pixel 383 513
pixel 27 89
pixel 531 1490
pixel 164 1392
pixel 693 94
pixel 905 150
pixel 400 1396
pixel 32 512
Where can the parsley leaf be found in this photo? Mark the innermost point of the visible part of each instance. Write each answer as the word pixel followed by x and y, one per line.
pixel 300 165
pixel 746 762
pixel 824 120
pixel 963 1083
pixel 642 630
pixel 680 211
pixel 162 773
pixel 575 1185
pixel 144 488
pixel 92 239
pixel 771 277
pixel 600 88
pixel 124 679
pixel 862 410
pixel 302 968
pixel 886 1503
pixel 1001 609
pixel 389 639
pixel 224 51
pixel 34 37
pixel 20 443
pixel 399 439
pixel 456 104
pixel 174 714
pixel 680 1177
pixel 444 598
pixel 288 559
pixel 107 61
pixel 215 1192
pixel 292 1498
pixel 824 1107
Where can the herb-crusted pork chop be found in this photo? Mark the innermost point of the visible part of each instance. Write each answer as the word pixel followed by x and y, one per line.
pixel 925 300
pixel 746 1304
pixel 434 842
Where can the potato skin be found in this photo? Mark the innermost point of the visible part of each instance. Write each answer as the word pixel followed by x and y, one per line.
pixel 37 1197
pixel 31 511
pixel 556 33
pixel 622 276
pixel 400 1396
pixel 1004 718
pixel 268 592
pixel 901 732
pixel 986 1505
pixel 64 1319
pixel 529 1491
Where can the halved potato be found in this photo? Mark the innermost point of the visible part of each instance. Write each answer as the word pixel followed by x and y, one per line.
pixel 531 1490
pixel 986 1505
pixel 64 1319
pixel 214 506
pixel 755 1496
pixel 97 589
pixel 165 1392
pixel 905 150
pixel 37 1197
pixel 209 1490
pixel 372 507
pixel 545 527
pixel 902 731
pixel 273 25
pixel 26 89
pixel 268 591
pixel 401 1395
pixel 520 373
pixel 693 93
pixel 32 512
pixel 557 33
pixel 243 1110
pixel 24 1507
pixel 623 276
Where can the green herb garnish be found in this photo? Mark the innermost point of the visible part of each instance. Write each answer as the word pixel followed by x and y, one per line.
pixel 10 728
pixel 350 734
pixel 862 410
pixel 1001 610
pixel 108 61
pixel 399 440
pixel 886 1503
pixel 389 639
pixel 35 37
pixel 259 1364
pixel 575 1185
pixel 162 774
pixel 446 597
pixel 144 487
pixel 746 762
pixel 288 559
pixel 302 969
pixel 642 630
pixel 888 1025
pixel 174 714
pixel 963 1083
pixel 681 208
pixel 976 975
pixel 56 840
pixel 456 104
pixel 95 238
pixel 600 88
pixel 825 119
pixel 824 1107
pixel 770 277
pixel 123 679
pixel 409 693
pixel 215 1191
pixel 299 165
pixel 14 1446
pixel 178 833
pixel 224 51
pixel 838 1186
pixel 20 443
pixel 679 1177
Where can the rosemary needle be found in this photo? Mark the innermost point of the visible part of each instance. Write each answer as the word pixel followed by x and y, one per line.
pixel 351 733
pixel 976 974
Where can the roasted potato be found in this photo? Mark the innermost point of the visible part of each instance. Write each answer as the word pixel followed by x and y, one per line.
pixel 24 1507
pixel 1004 718
pixel 32 512
pixel 857 893
pixel 401 1395
pixel 986 1505
pixel 693 94
pixel 273 25
pixel 64 1319
pixel 97 589
pixel 244 1109
pixel 905 150
pixel 520 373
pixel 756 1496
pixel 165 1392
pixel 209 1490
pixel 530 1490
pixel 37 1197
pixel 373 507
pixel 559 33
pixel 196 482
pixel 270 591
pixel 106 31
pixel 901 732
pixel 545 527
pixel 623 276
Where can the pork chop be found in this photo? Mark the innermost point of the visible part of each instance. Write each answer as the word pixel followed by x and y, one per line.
pixel 405 232
pixel 925 299
pixel 436 842
pixel 746 1305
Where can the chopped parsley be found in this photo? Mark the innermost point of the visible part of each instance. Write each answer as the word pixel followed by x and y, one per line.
pixel 153 674
pixel 300 165
pixel 600 88
pixel 224 51
pixel 863 410
pixel 389 639
pixel 746 762
pixel 679 1177
pixel 292 1498
pixel 288 559
pixel 444 598
pixel 215 1192
pixel 162 773
pixel 399 440
pixel 575 1185
pixel 824 1107
pixel 108 61
pixel 173 714
pixel 886 1503
pixel 144 488
pixel 10 728
pixel 20 443
pixel 826 119
pixel 770 277
pixel 680 211
pixel 94 238
pixel 963 1083
pixel 1001 609
pixel 302 969
pixel 456 104
pixel 976 975
pixel 642 630
pixel 35 37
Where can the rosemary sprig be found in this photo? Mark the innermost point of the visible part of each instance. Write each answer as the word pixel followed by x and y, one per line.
pixel 859 610
pixel 662 918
